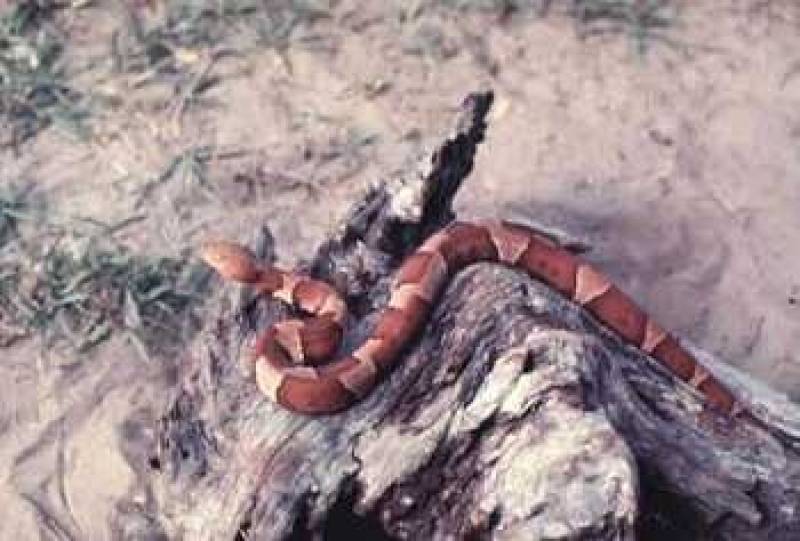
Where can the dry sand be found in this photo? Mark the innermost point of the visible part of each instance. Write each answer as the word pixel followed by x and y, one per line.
pixel 680 166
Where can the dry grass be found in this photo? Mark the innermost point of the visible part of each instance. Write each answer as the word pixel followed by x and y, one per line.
pixel 75 285
pixel 34 92
pixel 179 44
pixel 640 19
pixel 175 45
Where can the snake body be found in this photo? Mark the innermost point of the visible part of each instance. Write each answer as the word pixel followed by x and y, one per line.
pixel 288 354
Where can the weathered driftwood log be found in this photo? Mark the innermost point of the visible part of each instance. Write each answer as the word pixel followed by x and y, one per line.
pixel 512 416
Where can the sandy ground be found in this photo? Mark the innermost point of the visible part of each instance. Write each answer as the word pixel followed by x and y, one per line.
pixel 680 166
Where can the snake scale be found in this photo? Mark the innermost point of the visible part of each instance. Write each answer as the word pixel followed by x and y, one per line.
pixel 288 355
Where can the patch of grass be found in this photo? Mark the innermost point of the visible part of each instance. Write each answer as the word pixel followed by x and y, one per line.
pixel 637 18
pixel 190 168
pixel 178 44
pixel 33 91
pixel 497 5
pixel 12 210
pixel 83 286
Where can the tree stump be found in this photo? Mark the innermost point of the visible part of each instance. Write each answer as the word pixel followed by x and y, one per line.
pixel 513 415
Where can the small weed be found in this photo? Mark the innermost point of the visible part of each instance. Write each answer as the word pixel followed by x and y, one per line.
pixel 78 287
pixel 190 167
pixel 33 90
pixel 496 5
pixel 637 18
pixel 179 44
pixel 12 209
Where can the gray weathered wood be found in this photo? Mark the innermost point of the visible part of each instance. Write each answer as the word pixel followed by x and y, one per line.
pixel 513 416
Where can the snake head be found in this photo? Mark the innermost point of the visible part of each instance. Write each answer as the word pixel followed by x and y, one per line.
pixel 232 261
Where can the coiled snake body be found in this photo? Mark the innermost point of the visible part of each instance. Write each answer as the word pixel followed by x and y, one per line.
pixel 288 354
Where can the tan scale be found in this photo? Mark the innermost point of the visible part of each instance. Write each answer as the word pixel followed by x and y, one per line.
pixel 653 336
pixel 402 295
pixel 289 335
pixel 268 379
pixel 589 284
pixel 366 352
pixel 286 291
pixel 510 244
pixel 335 307
pixel 360 379
pixel 699 376
pixel 302 372
pixel 431 282
pixel 435 242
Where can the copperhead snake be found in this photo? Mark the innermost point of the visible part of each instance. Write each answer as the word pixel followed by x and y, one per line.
pixel 288 354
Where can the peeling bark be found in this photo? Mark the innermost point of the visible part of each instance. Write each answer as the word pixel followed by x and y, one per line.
pixel 512 416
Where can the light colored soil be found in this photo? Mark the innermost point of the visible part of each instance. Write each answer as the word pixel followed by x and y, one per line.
pixel 681 168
